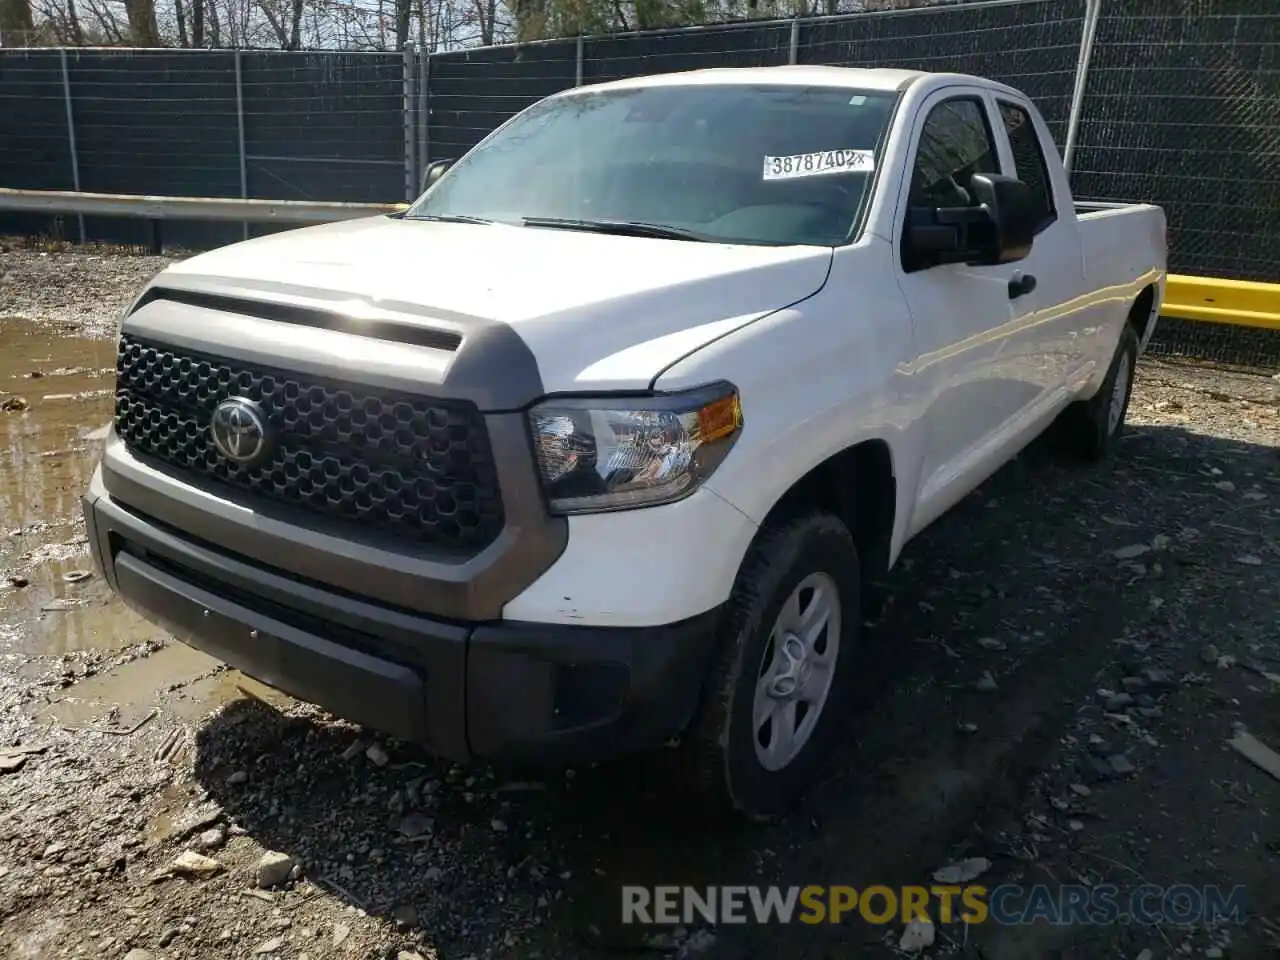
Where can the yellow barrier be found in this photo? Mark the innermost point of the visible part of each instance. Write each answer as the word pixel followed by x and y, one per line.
pixel 1241 302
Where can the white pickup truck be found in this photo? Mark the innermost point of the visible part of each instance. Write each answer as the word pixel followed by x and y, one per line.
pixel 595 448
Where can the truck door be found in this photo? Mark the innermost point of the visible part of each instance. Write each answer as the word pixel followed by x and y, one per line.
pixel 965 319
pixel 1052 347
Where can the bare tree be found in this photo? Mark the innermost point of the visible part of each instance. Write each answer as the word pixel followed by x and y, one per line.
pixel 285 17
pixel 17 25
pixel 143 29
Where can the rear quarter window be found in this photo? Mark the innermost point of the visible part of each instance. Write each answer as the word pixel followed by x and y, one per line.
pixel 1029 161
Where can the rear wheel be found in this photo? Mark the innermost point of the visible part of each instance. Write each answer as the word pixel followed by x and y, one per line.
pixel 1089 429
pixel 779 689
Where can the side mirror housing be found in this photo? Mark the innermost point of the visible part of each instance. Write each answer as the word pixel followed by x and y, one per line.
pixel 1010 206
pixel 435 170
pixel 998 228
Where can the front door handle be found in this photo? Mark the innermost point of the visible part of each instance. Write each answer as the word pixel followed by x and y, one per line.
pixel 1020 284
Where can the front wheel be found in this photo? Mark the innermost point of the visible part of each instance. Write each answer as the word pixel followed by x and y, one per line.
pixel 780 686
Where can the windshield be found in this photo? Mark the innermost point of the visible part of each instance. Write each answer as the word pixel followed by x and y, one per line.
pixel 771 164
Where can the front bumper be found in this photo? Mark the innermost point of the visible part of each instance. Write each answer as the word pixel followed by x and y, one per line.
pixel 498 690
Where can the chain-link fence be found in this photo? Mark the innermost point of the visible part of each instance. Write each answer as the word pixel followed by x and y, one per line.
pixel 1182 109
pixel 1175 102
pixel 200 123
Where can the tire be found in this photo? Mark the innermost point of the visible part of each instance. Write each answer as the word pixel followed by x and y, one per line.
pixel 727 762
pixel 1089 429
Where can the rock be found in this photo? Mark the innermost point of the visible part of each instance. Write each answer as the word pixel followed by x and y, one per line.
pixel 1145 700
pixel 498 826
pixel 1214 953
pixel 1099 769
pixel 14 404
pixel 377 756
pixel 409 955
pixel 1131 551
pixel 405 916
pixel 1209 653
pixel 194 864
pixel 1080 790
pixel 1059 804
pixel 168 937
pixel 296 873
pixel 1133 684
pixel 1249 560
pixel 1118 702
pixel 1075 825
pixel 986 683
pixel 991 643
pixel 1121 764
pixel 700 941
pixel 354 749
pixel 1226 486
pixel 415 825
pixel 197 819
pixel 238 778
pixel 137 953
pixel 1147 954
pixel 432 874
pixel 212 838
pixel 1159 680
pixel 12 764
pixel 269 946
pixel 963 871
pixel 916 936
pixel 76 576
pixel 18 581
pixel 340 933
pixel 274 869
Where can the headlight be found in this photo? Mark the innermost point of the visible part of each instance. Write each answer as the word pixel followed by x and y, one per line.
pixel 615 453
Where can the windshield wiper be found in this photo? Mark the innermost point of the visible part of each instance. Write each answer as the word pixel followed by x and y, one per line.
pixel 448 218
pixel 622 228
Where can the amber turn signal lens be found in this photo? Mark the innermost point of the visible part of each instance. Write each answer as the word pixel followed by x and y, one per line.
pixel 720 418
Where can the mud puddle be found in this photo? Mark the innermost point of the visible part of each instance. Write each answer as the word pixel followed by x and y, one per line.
pixel 57 395
pixel 60 624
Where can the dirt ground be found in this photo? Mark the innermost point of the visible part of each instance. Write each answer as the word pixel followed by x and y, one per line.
pixel 1052 688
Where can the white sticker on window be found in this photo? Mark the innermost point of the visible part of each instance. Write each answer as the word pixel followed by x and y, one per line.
pixel 818 164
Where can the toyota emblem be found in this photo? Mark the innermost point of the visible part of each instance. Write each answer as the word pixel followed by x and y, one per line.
pixel 239 430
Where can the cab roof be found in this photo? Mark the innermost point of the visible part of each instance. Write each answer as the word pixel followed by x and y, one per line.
pixel 861 78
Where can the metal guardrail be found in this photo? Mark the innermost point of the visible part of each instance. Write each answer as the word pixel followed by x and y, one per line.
pixel 1243 303
pixel 188 208
pixel 1239 302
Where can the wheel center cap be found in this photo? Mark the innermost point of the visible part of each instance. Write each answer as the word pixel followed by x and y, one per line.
pixel 795 671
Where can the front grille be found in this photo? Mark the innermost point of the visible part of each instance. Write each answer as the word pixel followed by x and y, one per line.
pixel 422 467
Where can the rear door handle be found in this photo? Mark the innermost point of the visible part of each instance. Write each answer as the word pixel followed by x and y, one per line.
pixel 1020 284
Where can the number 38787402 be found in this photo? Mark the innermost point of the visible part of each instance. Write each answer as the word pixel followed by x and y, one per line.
pixel 817 163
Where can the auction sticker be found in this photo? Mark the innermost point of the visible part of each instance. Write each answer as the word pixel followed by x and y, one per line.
pixel 818 164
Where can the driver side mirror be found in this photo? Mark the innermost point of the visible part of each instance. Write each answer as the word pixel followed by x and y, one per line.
pixel 998 228
pixel 1010 205
pixel 435 170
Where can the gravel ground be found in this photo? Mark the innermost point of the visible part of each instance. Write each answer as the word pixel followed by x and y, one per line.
pixel 1051 688
pixel 71 290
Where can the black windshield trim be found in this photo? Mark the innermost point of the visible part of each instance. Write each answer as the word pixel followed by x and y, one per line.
pixel 633 228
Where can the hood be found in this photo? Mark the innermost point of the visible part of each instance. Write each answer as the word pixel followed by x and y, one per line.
pixel 597 311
